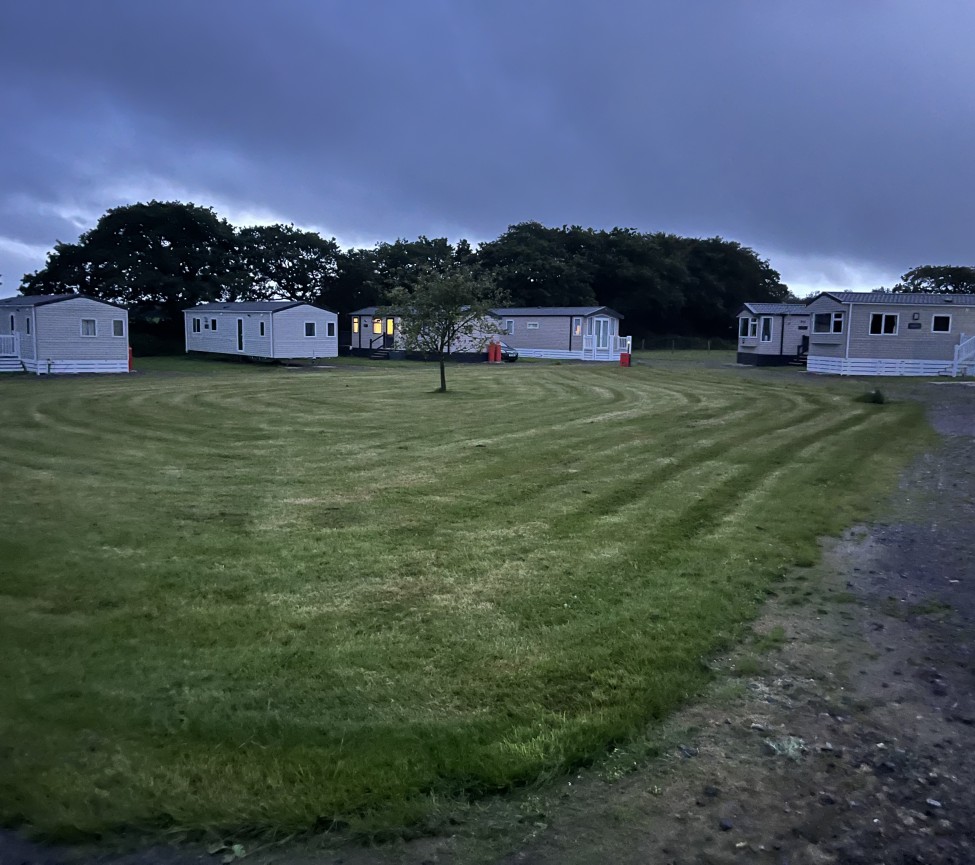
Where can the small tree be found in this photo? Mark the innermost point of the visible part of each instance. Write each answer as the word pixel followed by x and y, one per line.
pixel 443 308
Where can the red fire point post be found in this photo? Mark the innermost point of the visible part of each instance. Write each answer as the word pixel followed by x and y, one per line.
pixel 624 358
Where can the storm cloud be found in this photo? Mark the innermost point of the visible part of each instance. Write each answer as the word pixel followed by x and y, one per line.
pixel 834 138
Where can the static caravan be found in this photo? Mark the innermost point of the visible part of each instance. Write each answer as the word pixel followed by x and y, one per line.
pixel 377 334
pixel 772 334
pixel 881 333
pixel 272 329
pixel 372 332
pixel 564 332
pixel 63 333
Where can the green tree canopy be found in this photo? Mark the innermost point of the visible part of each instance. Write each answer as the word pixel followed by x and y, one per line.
pixel 937 279
pixel 156 258
pixel 355 283
pixel 723 275
pixel 281 261
pixel 540 266
pixel 403 262
pixel 644 277
pixel 661 283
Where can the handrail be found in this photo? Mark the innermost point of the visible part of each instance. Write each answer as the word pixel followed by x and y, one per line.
pixel 964 352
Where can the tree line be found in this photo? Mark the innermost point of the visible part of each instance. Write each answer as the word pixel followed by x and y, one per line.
pixel 158 258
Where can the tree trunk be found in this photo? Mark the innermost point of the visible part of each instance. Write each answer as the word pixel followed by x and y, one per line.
pixel 443 376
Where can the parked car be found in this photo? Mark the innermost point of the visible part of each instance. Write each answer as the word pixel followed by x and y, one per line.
pixel 508 353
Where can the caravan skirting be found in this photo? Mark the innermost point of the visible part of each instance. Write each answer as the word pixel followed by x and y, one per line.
pixel 64 367
pixel 560 354
pixel 877 366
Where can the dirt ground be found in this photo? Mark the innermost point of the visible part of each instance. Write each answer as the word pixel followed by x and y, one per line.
pixel 845 733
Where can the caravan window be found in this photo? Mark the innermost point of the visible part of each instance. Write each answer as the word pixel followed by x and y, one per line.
pixel 883 324
pixel 828 322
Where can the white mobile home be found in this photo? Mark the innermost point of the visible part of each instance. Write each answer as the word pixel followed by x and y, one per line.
pixel 63 333
pixel 772 334
pixel 273 329
pixel 564 332
pixel 881 333
pixel 556 332
pixel 373 332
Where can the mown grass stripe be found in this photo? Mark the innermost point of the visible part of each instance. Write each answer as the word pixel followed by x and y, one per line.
pixel 255 599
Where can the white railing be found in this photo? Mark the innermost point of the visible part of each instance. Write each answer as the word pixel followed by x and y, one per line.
pixel 964 356
pixel 617 345
pixel 10 345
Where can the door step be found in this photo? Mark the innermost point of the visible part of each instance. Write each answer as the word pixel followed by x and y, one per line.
pixel 380 355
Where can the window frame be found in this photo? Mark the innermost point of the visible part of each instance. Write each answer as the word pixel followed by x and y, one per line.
pixel 310 324
pixel 834 324
pixel 377 326
pixel 531 325
pixel 761 330
pixel 883 317
pixel 938 315
pixel 213 325
pixel 355 324
pixel 196 325
pixel 13 323
pixel 94 328
pixel 260 328
pixel 577 325
pixel 118 331
pixel 330 328
pixel 509 326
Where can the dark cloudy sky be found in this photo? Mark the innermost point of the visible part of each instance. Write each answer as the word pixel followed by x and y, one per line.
pixel 835 137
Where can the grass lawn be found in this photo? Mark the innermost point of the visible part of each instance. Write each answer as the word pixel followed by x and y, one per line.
pixel 249 598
